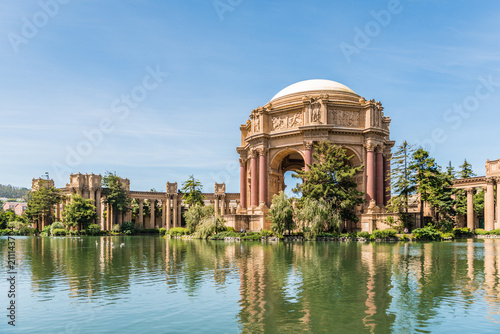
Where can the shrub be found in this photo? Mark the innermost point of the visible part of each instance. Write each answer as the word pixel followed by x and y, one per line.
pixel 7 231
pixel 209 227
pixel 162 231
pixel 128 228
pixel 480 231
pixel 58 232
pixel 230 229
pixel 57 226
pixel 465 231
pixel 46 230
pixel 73 232
pixel 223 235
pixel 426 233
pixel 384 234
pixel 196 214
pixel 448 235
pixel 116 228
pixel 404 237
pixel 251 237
pixel 266 233
pixel 16 225
pixel 93 229
pixel 363 235
pixel 27 231
pixel 495 232
pixel 178 231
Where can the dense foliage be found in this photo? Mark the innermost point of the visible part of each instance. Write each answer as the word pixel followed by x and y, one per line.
pixel 13 192
pixel 42 202
pixel 116 195
pixel 80 212
pixel 191 189
pixel 281 213
pixel 331 178
pixel 196 214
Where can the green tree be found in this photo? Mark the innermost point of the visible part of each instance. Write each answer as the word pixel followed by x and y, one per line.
pixel 116 195
pixel 450 171
pixel 42 202
pixel 80 212
pixel 402 182
pixel 318 215
pixel 331 177
pixel 281 213
pixel 196 214
pixel 466 170
pixel 191 189
pixel 4 219
pixel 479 203
pixel 424 176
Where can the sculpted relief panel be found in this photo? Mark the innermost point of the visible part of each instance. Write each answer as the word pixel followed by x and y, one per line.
pixel 344 117
pixel 287 121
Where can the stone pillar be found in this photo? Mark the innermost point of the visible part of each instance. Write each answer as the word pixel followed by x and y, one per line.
pixel 370 173
pixel 489 204
pixel 254 186
pixel 216 205
pixel 179 214
pixel 152 219
pixel 58 211
pixel 243 183
pixel 308 154
pixel 141 213
pixel 109 216
pixel 223 206
pixel 387 180
pixel 380 177
pixel 164 213
pixel 498 203
pixel 174 209
pixel 169 217
pixel 263 177
pixel 470 208
pixel 98 205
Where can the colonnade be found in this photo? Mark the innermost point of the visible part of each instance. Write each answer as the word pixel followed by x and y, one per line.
pixel 491 207
pixel 258 178
pixel 171 205
pixel 378 167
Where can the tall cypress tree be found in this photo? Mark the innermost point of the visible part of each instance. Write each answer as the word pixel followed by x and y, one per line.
pixel 402 183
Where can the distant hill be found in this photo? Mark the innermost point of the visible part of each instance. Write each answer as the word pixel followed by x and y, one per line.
pixel 13 192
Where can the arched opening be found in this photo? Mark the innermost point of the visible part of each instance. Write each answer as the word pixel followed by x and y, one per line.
pixel 283 165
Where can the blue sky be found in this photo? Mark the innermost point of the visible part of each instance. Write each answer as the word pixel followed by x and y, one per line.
pixel 215 61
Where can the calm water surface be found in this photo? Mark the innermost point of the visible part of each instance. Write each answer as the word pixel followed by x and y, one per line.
pixel 155 285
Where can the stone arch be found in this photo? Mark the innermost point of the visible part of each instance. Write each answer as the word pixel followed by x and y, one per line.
pixel 283 161
pixel 356 160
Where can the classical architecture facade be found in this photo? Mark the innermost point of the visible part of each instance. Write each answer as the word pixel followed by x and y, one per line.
pixel 89 186
pixel 490 184
pixel 280 137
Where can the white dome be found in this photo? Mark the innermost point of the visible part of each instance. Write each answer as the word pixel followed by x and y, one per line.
pixel 313 85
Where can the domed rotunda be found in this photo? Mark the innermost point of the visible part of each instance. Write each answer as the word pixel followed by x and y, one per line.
pixel 280 136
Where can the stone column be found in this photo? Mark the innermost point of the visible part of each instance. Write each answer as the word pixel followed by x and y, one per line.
pixel 109 216
pixel 370 173
pixel 164 213
pixel 387 180
pixel 98 205
pixel 308 154
pixel 152 219
pixel 243 183
pixel 141 213
pixel 489 204
pixel 498 202
pixel 179 214
pixel 380 177
pixel 223 206
pixel 174 209
pixel 58 211
pixel 254 186
pixel 263 177
pixel 216 205
pixel 470 208
pixel 169 220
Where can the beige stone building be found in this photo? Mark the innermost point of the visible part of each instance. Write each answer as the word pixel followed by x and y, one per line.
pixel 280 137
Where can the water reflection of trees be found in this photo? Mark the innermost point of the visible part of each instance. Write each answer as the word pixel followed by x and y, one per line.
pixel 345 287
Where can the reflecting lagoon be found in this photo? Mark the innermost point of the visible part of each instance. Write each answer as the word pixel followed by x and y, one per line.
pixel 152 284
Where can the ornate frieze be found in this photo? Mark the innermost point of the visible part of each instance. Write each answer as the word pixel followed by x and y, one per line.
pixel 349 118
pixel 287 121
